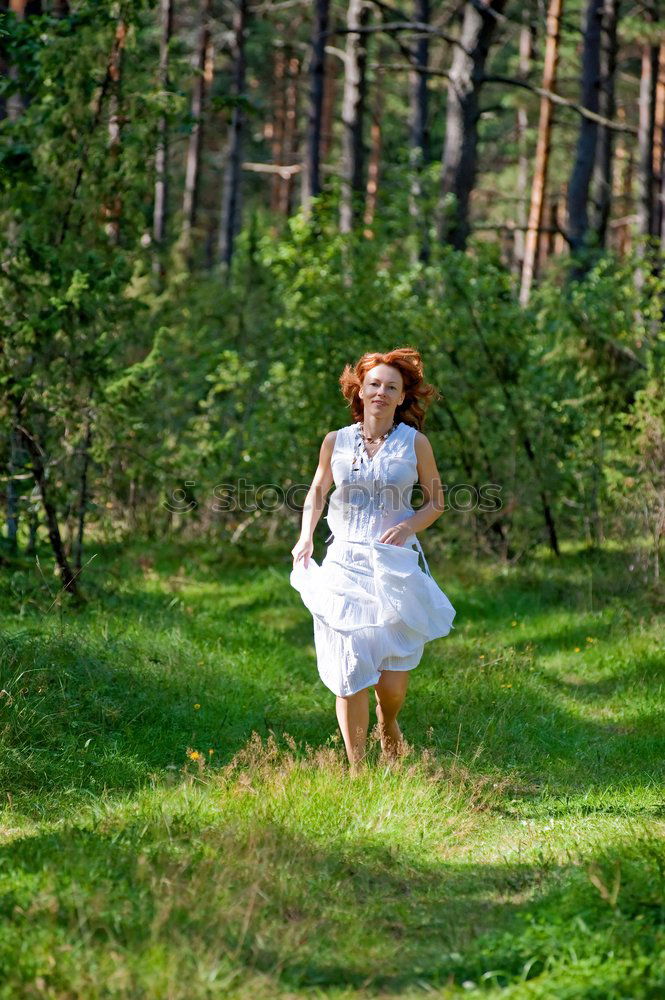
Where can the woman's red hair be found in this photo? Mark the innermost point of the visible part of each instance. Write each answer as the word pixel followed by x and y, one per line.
pixel 418 393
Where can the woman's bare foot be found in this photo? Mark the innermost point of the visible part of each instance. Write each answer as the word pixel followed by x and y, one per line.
pixel 357 767
pixel 392 741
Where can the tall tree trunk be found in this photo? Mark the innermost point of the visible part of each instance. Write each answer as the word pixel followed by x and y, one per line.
pixel 33 525
pixel 67 576
pixel 113 209
pixel 230 214
pixel 353 114
pixel 12 494
pixel 193 158
pixel 328 115
pixel 311 184
pixel 526 51
pixel 462 116
pixel 419 132
pixel 623 239
pixel 559 224
pixel 374 162
pixel 516 411
pixel 290 142
pixel 601 201
pixel 546 244
pixel 647 104
pixel 585 157
pixel 542 149
pixel 659 147
pixel 278 123
pixel 159 219
pixel 82 504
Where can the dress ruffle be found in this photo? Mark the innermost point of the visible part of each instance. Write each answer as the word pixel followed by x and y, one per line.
pixel 391 591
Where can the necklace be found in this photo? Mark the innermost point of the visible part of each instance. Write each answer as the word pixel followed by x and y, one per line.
pixel 371 440
pixel 360 456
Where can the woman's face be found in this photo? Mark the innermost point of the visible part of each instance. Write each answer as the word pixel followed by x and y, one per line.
pixel 382 391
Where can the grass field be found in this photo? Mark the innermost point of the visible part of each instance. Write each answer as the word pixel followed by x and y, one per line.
pixel 177 821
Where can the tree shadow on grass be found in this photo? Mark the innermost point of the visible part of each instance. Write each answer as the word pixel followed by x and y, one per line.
pixel 90 713
pixel 587 581
pixel 82 715
pixel 266 899
pixel 531 728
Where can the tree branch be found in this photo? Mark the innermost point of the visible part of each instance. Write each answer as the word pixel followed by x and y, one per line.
pixel 511 81
pixel 391 27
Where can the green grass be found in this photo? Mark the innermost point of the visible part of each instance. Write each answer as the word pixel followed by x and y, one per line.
pixel 517 851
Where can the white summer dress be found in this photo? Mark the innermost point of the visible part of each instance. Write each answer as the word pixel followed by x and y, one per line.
pixel 373 606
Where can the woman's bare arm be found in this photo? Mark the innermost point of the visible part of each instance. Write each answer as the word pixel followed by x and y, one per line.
pixel 315 500
pixel 430 483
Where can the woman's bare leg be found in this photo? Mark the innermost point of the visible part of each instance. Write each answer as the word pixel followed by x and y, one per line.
pixel 353 718
pixel 390 694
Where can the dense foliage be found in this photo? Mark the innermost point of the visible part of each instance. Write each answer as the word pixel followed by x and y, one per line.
pixel 199 402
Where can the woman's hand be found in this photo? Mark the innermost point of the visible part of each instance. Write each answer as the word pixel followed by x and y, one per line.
pixel 397 535
pixel 302 550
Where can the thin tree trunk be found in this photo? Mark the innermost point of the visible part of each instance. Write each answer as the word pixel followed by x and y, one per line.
pixel 659 147
pixel 374 162
pixel 328 112
pixel 33 525
pixel 542 149
pixel 624 230
pixel 520 426
pixel 601 202
pixel 193 158
pixel 585 157
pixel 12 495
pixel 290 144
pixel 546 244
pixel 278 124
pixel 419 133
pixel 526 51
pixel 462 116
pixel 496 526
pixel 159 221
pixel 113 210
pixel 83 495
pixel 311 184
pixel 353 114
pixel 230 214
pixel 559 225
pixel 36 454
pixel 647 103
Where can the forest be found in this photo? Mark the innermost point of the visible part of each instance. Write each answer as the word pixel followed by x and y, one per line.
pixel 209 208
pixel 261 190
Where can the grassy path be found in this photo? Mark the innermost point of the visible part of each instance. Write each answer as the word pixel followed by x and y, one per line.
pixel 176 820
